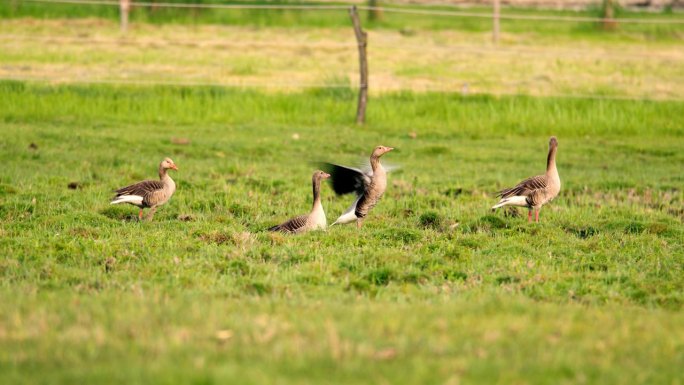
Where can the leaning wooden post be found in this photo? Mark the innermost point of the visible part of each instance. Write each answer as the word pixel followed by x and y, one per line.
pixel 362 41
pixel 496 16
pixel 124 9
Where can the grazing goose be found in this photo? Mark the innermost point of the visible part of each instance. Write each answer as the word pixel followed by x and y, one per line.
pixel 536 191
pixel 368 185
pixel 312 221
pixel 149 193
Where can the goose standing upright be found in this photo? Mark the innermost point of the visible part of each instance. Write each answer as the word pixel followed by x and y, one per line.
pixel 312 221
pixel 149 193
pixel 536 191
pixel 369 186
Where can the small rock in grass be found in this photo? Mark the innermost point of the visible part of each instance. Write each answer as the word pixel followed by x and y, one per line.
pixel 386 354
pixel 223 335
pixel 74 185
pixel 33 146
pixel 181 141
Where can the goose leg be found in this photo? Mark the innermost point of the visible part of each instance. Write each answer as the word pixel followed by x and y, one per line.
pixel 359 223
pixel 140 215
pixel 536 216
pixel 151 213
pixel 529 215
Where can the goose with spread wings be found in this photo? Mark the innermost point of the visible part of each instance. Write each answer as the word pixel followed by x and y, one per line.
pixel 536 191
pixel 369 186
pixel 149 193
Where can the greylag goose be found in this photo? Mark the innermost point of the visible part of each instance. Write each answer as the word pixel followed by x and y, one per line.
pixel 149 193
pixel 536 191
pixel 312 221
pixel 369 186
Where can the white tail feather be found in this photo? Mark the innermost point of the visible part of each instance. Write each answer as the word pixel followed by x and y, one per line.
pixel 132 199
pixel 517 200
pixel 349 215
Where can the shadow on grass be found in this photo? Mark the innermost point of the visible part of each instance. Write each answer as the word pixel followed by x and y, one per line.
pixel 120 214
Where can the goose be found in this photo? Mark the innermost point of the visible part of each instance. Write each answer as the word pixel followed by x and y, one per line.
pixel 149 193
pixel 369 186
pixel 536 191
pixel 312 221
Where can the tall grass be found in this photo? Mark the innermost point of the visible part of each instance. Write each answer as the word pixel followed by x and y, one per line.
pixel 473 116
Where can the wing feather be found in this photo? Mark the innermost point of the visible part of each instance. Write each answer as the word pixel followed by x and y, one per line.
pixel 346 180
pixel 141 188
pixel 291 226
pixel 526 188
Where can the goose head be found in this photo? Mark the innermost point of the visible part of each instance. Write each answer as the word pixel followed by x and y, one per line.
pixel 167 164
pixel 380 151
pixel 553 142
pixel 320 175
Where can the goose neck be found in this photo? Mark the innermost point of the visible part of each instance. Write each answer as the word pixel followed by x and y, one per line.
pixel 316 184
pixel 551 160
pixel 375 162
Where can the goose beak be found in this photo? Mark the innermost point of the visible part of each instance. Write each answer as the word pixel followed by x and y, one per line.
pixel 174 167
pixel 325 176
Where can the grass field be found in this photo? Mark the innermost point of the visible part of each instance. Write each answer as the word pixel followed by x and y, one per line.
pixel 405 52
pixel 434 289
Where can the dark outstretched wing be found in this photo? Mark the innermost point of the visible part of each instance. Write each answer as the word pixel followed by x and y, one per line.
pixel 526 187
pixel 346 179
pixel 292 225
pixel 142 189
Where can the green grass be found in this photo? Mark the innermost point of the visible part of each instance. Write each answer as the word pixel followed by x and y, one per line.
pixel 434 289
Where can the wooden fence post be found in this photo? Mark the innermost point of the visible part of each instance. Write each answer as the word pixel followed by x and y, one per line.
pixel 362 41
pixel 609 22
pixel 496 15
pixel 375 12
pixel 124 9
